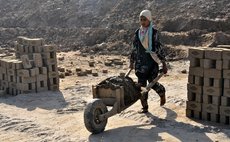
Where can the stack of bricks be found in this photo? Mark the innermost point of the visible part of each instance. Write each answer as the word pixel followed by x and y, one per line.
pixel 209 84
pixel 33 69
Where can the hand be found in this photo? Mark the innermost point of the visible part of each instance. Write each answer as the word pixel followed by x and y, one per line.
pixel 165 69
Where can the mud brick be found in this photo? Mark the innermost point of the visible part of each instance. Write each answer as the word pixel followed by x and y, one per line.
pixel 226 74
pixel 210 108
pixel 196 97
pixel 35 41
pixel 194 88
pixel 224 110
pixel 225 101
pixel 54 87
pixel 3 70
pixel 196 62
pixel 49 55
pixel 12 85
pixel 42 89
pixel 196 53
pixel 207 116
pixel 26 86
pixel 52 68
pixel 226 54
pixel 11 72
pixel 226 64
pixel 13 91
pixel 48 62
pixel 225 119
pixel 3 76
pixel 209 99
pixel 32 49
pixel 191 79
pixel 26 62
pixel 212 64
pixel 42 70
pixel 42 84
pixel 17 64
pixel 213 53
pixel 226 92
pixel 197 71
pixel 212 73
pixel 213 82
pixel 49 48
pixel 212 91
pixel 193 105
pixel 193 114
pixel 4 84
pixel 53 81
pixel 23 73
pixel 41 77
pixel 227 83
pixel 197 80
pixel 34 71
pixel 37 60
pixel 26 79
pixel 12 78
pixel 53 74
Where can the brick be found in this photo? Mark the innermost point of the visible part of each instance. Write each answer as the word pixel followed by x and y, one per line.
pixel 225 110
pixel 196 62
pixel 26 79
pixel 224 119
pixel 191 79
pixel 210 116
pixel 227 83
pixel 52 68
pixel 53 81
pixel 226 54
pixel 212 73
pixel 226 64
pixel 213 53
pixel 42 89
pixel 37 60
pixel 12 78
pixel 196 53
pixel 35 41
pixel 196 97
pixel 212 91
pixel 53 74
pixel 42 84
pixel 49 55
pixel 225 101
pixel 193 114
pixel 199 80
pixel 213 64
pixel 194 88
pixel 226 92
pixel 3 70
pixel 26 62
pixel 41 77
pixel 13 91
pixel 209 99
pixel 23 73
pixel 11 72
pixel 4 77
pixel 54 87
pixel 17 64
pixel 226 74
pixel 210 108
pixel 197 71
pixel 42 70
pixel 26 86
pixel 193 106
pixel 212 82
pixel 48 62
pixel 34 71
pixel 49 48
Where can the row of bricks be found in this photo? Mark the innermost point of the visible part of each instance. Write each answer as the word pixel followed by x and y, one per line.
pixel 50 70
pixel 208 116
pixel 209 53
pixel 210 64
pixel 14 91
pixel 30 79
pixel 22 49
pixel 209 99
pixel 209 73
pixel 30 86
pixel 209 108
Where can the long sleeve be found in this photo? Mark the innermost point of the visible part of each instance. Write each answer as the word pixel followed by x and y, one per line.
pixel 159 47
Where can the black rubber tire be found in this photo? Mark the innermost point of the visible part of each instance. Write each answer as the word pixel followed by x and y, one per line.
pixel 92 110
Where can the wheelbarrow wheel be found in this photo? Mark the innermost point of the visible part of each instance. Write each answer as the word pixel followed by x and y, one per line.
pixel 91 116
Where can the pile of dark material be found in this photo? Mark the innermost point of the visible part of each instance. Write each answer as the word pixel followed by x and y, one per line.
pixel 131 91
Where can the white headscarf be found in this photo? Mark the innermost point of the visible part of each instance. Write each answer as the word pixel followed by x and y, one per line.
pixel 147 14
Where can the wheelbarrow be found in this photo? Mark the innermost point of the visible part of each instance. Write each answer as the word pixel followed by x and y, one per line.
pixel 96 112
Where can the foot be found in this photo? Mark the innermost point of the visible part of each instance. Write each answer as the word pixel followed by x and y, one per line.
pixel 163 100
pixel 143 111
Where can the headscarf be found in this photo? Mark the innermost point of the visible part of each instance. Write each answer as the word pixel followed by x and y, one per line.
pixel 145 34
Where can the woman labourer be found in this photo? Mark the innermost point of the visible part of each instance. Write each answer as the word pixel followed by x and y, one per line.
pixel 146 56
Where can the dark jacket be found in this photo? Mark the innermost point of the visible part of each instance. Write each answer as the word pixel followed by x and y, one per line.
pixel 144 64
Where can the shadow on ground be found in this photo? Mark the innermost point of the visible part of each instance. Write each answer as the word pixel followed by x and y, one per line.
pixel 46 100
pixel 153 131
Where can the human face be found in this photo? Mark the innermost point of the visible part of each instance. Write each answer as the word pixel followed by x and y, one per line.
pixel 144 21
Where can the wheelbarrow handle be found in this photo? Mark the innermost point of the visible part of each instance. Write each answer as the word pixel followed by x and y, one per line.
pixel 129 71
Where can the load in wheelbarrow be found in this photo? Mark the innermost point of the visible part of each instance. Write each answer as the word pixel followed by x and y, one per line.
pixel 119 92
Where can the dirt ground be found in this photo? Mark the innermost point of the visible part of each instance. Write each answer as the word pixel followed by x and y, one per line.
pixel 58 116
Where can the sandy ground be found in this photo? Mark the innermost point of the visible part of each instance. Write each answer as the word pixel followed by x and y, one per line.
pixel 58 116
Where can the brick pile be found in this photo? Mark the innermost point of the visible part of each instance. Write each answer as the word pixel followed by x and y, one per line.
pixel 209 84
pixel 33 69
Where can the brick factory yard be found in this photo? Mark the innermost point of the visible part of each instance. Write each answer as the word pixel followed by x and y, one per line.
pixel 58 116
